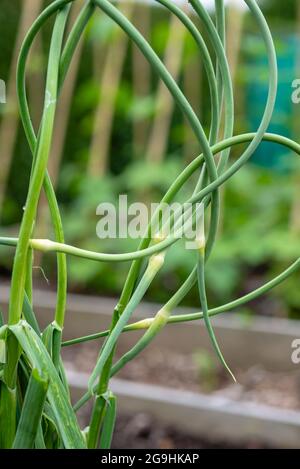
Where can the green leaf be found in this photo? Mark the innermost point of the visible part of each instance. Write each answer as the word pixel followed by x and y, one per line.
pixel 50 430
pixel 47 338
pixel 2 352
pixel 96 422
pixel 51 338
pixel 109 423
pixel 29 314
pixel 57 395
pixel 8 407
pixel 39 440
pixel 31 412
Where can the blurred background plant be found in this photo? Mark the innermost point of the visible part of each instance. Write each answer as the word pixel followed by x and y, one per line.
pixel 207 370
pixel 123 135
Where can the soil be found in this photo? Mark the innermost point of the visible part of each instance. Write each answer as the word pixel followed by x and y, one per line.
pixel 190 372
pixel 142 431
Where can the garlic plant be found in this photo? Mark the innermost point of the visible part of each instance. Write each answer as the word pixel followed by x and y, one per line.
pixel 35 405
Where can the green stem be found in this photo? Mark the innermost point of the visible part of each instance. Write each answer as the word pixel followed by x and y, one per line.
pixel 221 28
pixel 41 159
pixel 29 130
pixel 100 404
pixel 28 284
pixel 180 318
pixel 109 422
pixel 155 264
pixel 203 300
pixel 48 246
pixel 179 98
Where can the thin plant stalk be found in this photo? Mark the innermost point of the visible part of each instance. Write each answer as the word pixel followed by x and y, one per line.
pixel 60 129
pixel 32 361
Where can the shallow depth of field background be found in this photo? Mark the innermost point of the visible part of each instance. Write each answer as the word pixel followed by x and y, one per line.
pixel 118 132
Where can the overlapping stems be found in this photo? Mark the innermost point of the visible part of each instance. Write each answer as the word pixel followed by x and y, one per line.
pixel 126 305
pixel 21 269
pixel 108 347
pixel 210 179
pixel 33 141
pixel 196 125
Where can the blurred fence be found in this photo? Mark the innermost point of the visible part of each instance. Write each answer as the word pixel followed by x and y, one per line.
pixel 119 77
pixel 114 114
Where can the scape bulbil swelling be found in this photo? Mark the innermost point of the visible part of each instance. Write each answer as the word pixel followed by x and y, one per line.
pixel 35 405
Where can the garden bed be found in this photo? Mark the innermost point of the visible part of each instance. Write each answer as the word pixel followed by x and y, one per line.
pixel 142 431
pixel 228 423
pixel 167 404
pixel 245 343
pixel 183 372
pixel 262 410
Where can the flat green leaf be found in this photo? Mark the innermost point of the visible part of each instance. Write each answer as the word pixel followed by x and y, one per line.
pixel 2 352
pixel 109 423
pixel 29 314
pixel 31 412
pixel 8 406
pixel 57 396
pixel 39 440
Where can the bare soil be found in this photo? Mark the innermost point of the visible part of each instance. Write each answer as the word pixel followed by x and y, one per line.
pixel 178 371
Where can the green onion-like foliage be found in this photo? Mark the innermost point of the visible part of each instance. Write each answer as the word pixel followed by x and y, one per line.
pixel 35 406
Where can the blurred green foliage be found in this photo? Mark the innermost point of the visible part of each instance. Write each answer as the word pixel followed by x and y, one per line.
pixel 256 240
pixel 207 370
